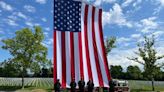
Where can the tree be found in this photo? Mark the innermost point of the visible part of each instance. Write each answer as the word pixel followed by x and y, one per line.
pixel 10 68
pixel 149 56
pixel 110 44
pixel 133 72
pixel 116 71
pixel 26 47
pixel 47 70
pixel 35 67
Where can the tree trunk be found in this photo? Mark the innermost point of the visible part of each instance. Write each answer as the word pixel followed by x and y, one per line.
pixel 153 89
pixel 23 77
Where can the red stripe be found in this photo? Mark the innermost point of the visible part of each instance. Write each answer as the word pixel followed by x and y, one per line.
pixel 102 45
pixel 80 56
pixel 63 60
pixel 100 79
pixel 86 42
pixel 72 55
pixel 55 58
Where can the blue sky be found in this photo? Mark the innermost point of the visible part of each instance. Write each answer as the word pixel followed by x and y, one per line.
pixel 128 20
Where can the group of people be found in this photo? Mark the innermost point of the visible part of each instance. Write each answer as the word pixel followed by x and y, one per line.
pixel 81 85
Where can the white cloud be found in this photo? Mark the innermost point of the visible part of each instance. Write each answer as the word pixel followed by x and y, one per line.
pixel 5 6
pixel 12 17
pixel 120 57
pixel 148 24
pixel 127 2
pixel 29 24
pixel 46 34
pixel 135 36
pixel 44 19
pixel 41 1
pixel 10 22
pixel 37 24
pixel 160 4
pixel 48 43
pixel 157 34
pixel 115 16
pixel 20 14
pixel 47 29
pixel 30 8
pixel 123 39
pixel 136 3
pixel 99 2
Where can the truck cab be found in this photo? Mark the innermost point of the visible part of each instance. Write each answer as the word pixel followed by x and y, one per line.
pixel 121 86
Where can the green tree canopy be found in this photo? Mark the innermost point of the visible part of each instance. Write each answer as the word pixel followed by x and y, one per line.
pixel 26 47
pixel 134 72
pixel 110 44
pixel 116 71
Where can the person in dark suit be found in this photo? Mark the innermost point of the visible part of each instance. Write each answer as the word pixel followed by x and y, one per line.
pixel 90 86
pixel 111 86
pixel 57 86
pixel 73 85
pixel 81 85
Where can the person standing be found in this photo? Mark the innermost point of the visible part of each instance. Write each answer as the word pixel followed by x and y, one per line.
pixel 81 85
pixel 90 86
pixel 111 86
pixel 57 86
pixel 73 85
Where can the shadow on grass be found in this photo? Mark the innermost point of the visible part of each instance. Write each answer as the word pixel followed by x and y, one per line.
pixel 12 88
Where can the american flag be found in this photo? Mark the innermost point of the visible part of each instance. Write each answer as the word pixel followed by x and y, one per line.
pixel 79 51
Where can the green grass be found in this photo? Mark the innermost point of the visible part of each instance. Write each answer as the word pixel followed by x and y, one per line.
pixel 138 86
pixel 13 84
pixel 27 88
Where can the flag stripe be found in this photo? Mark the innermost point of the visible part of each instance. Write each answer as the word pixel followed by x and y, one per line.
pixel 96 23
pixel 86 42
pixel 86 76
pixel 95 50
pixel 72 55
pixel 76 56
pixel 90 45
pixel 59 55
pixel 102 45
pixel 55 58
pixel 80 56
pixel 68 62
pixel 63 60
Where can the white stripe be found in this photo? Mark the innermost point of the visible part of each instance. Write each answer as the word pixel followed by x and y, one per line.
pixel 83 44
pixel 101 61
pixel 59 61
pixel 68 63
pixel 91 50
pixel 76 57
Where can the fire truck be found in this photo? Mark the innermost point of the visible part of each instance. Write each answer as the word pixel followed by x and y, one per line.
pixel 121 86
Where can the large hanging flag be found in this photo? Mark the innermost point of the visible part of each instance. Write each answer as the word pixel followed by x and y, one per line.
pixel 79 51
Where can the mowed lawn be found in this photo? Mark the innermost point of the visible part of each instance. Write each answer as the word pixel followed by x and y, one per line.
pixel 35 84
pixel 46 85
pixel 138 86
